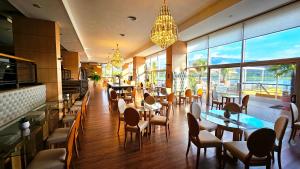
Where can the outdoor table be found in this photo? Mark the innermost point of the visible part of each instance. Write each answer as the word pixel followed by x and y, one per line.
pixel 236 123
pixel 228 98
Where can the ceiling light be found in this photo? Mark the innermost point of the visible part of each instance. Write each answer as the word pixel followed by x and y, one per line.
pixel 122 34
pixel 164 31
pixel 117 60
pixel 132 18
pixel 36 5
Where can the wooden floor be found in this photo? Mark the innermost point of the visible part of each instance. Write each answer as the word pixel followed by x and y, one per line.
pixel 101 147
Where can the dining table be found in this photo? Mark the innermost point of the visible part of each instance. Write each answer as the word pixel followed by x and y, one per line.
pixel 228 97
pixel 145 108
pixel 236 123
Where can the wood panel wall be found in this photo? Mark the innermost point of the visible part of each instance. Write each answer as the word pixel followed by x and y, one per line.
pixel 71 61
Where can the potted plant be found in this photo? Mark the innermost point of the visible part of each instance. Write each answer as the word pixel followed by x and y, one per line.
pixel 95 77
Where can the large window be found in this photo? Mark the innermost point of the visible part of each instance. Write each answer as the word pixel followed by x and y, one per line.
pixel 279 45
pixel 197 58
pixel 156 68
pixel 230 53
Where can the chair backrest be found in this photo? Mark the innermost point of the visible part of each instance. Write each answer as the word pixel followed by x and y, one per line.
pixel 129 89
pixel 88 94
pixel 188 93
pixel 170 98
pixel 193 125
pixel 150 100
pixel 280 127
pixel 146 95
pixel 195 109
pixel 261 142
pixel 232 107
pixel 295 113
pixel 69 147
pixel 131 116
pixel 133 93
pixel 245 100
pixel 113 94
pixel 200 92
pixel 163 90
pixel 121 106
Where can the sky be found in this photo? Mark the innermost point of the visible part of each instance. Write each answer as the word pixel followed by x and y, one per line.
pixel 279 45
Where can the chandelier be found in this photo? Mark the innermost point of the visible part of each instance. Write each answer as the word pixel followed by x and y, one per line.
pixel 164 31
pixel 117 60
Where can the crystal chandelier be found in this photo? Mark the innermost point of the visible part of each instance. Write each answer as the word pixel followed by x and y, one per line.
pixel 117 60
pixel 164 31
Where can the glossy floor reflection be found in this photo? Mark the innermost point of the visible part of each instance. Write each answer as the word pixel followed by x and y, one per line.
pixel 101 147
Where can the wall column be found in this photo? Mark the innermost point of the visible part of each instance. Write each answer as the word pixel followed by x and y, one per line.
pixel 138 68
pixel 71 61
pixel 169 74
pixel 39 40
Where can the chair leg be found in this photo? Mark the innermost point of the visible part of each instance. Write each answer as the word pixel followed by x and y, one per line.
pixel 173 108
pixel 125 139
pixel 212 105
pixel 169 129
pixel 166 129
pixel 119 127
pixel 198 157
pixel 292 133
pixel 140 140
pixel 188 147
pixel 279 158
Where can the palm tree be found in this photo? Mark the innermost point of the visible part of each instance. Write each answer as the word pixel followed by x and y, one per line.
pixel 281 70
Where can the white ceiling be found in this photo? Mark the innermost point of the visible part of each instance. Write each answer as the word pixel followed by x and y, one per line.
pixel 52 10
pixel 99 23
pixel 93 27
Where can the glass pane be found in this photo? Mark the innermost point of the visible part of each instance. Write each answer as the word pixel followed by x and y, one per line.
pixel 154 63
pixel 197 79
pixel 225 81
pixel 230 53
pixel 148 64
pixel 162 62
pixel 280 45
pixel 197 58
pixel 269 81
pixel 116 71
pixel 161 78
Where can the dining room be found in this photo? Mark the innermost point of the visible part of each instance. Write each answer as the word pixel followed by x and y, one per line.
pixel 149 84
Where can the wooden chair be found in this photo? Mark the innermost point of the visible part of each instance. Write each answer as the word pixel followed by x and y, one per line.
pixel 134 124
pixel 162 121
pixel 244 105
pixel 121 108
pixel 201 139
pixel 195 109
pixel 187 96
pixel 113 99
pixel 198 96
pixel 60 135
pixel 130 98
pixel 279 128
pixel 232 107
pixel 254 152
pixel 295 121
pixel 146 95
pixel 170 100
pixel 215 101
pixel 56 158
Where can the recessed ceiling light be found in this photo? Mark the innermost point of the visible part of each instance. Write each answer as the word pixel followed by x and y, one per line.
pixel 230 16
pixel 122 34
pixel 36 5
pixel 132 18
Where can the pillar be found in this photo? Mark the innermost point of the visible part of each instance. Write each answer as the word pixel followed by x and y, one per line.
pixel 71 61
pixel 169 75
pixel 39 40
pixel 138 68
pixel 179 50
